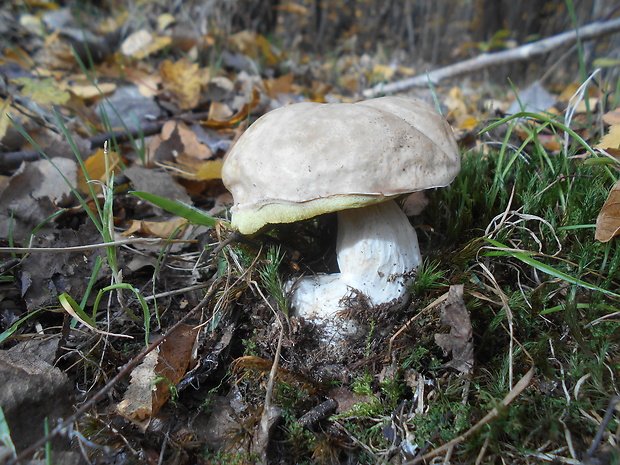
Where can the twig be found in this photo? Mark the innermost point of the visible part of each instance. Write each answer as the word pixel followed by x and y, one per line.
pixel 261 440
pixel 12 160
pixel 487 60
pixel 609 413
pixel 83 248
pixel 125 370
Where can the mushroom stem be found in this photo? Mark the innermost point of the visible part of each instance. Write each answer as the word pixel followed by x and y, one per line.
pixel 377 248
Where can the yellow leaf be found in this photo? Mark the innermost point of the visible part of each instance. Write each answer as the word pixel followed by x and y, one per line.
pixel 267 50
pixel 568 92
pixel 608 221
pixel 136 42
pixel 456 103
pixel 467 122
pixel 183 80
pixel 44 91
pixel 290 7
pixel 98 169
pixel 4 117
pixel 88 91
pixel 382 73
pixel 142 43
pixel 211 169
pixel 159 43
pixel 164 20
pixel 611 140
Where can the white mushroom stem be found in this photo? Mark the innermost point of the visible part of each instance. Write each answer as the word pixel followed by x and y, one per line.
pixel 377 249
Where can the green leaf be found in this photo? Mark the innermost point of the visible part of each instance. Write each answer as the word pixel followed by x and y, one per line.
pixel 181 209
pixel 43 91
pixel 543 267
pixel 7 332
pixel 5 433
pixel 74 309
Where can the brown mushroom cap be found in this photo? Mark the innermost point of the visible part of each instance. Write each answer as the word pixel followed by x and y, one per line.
pixel 307 159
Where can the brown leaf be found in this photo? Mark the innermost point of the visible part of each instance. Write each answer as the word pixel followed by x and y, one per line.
pixel 175 356
pixel 459 341
pixel 163 229
pixel 347 399
pixel 279 85
pixel 608 220
pixel 237 117
pixel 612 117
pixel 191 146
pixel 162 368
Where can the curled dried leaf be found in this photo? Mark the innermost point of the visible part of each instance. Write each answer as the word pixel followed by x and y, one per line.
pixel 608 220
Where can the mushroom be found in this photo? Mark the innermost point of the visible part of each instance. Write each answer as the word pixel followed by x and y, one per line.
pixel 307 159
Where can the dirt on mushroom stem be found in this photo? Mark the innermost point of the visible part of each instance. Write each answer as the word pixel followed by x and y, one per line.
pixel 377 250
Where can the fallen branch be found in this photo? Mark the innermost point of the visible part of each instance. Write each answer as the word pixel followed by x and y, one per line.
pixel 11 160
pixel 488 60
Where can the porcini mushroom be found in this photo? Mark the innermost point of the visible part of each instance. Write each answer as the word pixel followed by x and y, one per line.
pixel 308 159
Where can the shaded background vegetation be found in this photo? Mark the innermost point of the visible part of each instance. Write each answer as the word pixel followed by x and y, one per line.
pixel 418 33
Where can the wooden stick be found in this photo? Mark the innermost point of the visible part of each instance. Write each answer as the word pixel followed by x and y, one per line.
pixel 487 60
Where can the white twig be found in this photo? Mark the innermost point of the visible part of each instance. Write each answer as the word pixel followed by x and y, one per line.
pixel 487 60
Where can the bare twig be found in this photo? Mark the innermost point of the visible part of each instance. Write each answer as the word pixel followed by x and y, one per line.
pixel 609 413
pixel 11 160
pixel 84 248
pixel 488 60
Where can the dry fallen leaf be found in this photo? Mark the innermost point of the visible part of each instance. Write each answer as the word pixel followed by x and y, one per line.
pixel 612 117
pixel 279 85
pixel 608 220
pixel 183 80
pixel 163 229
pixel 237 117
pixel 611 141
pixel 43 91
pixel 210 169
pixel 137 403
pixel 459 341
pixel 98 169
pixel 142 43
pixel 177 139
pixel 161 369
pixel 456 104
pixel 4 117
pixel 88 91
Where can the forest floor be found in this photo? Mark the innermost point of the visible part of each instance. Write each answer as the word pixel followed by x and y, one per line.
pixel 136 326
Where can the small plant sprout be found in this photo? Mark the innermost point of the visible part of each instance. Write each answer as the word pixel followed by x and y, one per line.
pixel 308 159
